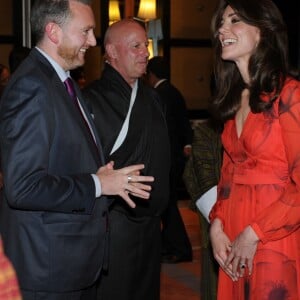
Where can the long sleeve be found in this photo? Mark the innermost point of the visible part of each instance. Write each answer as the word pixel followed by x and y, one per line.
pixel 223 188
pixel 283 216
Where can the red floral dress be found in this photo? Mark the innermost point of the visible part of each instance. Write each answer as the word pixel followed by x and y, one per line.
pixel 260 186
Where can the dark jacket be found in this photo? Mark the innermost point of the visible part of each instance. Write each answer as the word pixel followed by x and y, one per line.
pixel 54 230
pixel 146 141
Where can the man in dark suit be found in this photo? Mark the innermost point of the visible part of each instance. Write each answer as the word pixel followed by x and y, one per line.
pixel 54 216
pixel 176 246
pixel 132 114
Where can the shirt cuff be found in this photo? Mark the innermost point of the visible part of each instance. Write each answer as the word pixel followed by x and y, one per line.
pixel 206 202
pixel 98 188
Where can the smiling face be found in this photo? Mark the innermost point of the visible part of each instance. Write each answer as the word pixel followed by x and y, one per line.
pixel 127 50
pixel 76 36
pixel 238 39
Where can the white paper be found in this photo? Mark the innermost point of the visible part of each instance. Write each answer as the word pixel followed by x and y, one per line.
pixel 207 201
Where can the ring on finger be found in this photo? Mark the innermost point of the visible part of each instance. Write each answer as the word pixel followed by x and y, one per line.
pixel 129 178
pixel 242 265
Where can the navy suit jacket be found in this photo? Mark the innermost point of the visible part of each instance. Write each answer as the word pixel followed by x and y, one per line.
pixel 54 230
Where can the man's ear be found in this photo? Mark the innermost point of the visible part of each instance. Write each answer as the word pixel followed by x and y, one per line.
pixel 111 51
pixel 53 32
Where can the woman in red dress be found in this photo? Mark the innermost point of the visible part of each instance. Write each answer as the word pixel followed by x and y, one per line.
pixel 255 222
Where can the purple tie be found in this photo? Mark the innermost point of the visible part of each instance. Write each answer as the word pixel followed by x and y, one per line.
pixel 71 90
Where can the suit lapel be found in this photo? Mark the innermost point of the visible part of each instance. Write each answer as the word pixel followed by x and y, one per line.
pixel 91 123
pixel 96 149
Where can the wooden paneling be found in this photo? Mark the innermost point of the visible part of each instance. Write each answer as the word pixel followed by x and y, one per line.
pixel 190 50
pixel 93 64
pixel 4 53
pixel 190 19
pixel 97 13
pixel 6 30
pixel 191 70
pixel 6 18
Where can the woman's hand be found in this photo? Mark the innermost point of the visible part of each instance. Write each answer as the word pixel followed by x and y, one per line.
pixel 242 253
pixel 221 246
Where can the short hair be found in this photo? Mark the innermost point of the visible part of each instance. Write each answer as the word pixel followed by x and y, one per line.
pixel 159 67
pixel 45 11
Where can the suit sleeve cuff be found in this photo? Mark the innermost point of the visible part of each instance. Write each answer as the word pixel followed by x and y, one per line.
pixel 98 188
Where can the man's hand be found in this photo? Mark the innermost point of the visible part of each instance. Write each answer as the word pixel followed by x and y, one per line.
pixel 124 181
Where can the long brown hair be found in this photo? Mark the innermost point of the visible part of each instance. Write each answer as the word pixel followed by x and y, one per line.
pixel 268 66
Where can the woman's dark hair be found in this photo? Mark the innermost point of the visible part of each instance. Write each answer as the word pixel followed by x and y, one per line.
pixel 45 11
pixel 268 66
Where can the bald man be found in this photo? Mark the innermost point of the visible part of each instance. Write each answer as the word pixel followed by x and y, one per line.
pixel 130 121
